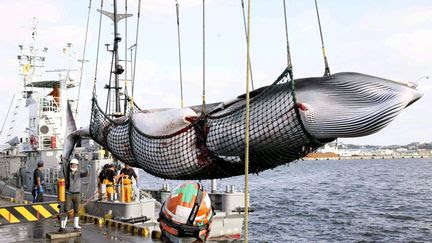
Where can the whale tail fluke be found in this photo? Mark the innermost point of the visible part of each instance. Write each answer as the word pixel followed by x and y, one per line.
pixel 72 137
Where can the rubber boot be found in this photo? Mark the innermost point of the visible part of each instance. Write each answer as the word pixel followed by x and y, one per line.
pixel 76 223
pixel 63 223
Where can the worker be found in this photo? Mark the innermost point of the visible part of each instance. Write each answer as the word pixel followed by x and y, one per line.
pixel 186 215
pixel 109 180
pixel 125 182
pixel 101 177
pixel 130 172
pixel 38 183
pixel 73 193
pixel 55 93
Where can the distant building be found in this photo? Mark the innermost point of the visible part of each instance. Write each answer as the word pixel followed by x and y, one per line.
pixel 402 150
pixel 383 152
pixel 349 152
pixel 424 152
pixel 329 148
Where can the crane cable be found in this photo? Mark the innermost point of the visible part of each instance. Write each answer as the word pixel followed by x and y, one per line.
pixel 97 52
pixel 203 56
pixel 327 69
pixel 127 99
pixel 247 121
pixel 83 57
pixel 136 49
pixel 179 54
pixel 126 61
pixel 289 63
pixel 246 34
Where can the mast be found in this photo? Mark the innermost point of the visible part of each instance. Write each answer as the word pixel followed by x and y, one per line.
pixel 118 69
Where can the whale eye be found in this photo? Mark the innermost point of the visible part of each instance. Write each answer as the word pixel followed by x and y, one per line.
pixel 303 107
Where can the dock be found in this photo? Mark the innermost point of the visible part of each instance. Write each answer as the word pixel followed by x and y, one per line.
pixel 36 232
pixel 46 230
pixel 37 222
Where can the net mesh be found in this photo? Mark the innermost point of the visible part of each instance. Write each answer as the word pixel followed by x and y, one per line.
pixel 212 146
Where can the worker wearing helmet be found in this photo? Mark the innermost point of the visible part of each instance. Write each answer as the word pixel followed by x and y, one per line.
pixel 186 215
pixel 73 191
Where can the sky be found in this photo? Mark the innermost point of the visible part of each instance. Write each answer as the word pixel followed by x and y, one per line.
pixel 388 38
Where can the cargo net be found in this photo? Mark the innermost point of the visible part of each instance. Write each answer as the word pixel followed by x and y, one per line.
pixel 212 146
pixel 130 106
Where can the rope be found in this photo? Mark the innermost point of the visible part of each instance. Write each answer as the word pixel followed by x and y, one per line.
pixel 132 105
pixel 289 63
pixel 89 199
pixel 7 114
pixel 136 47
pixel 246 34
pixel 86 201
pixel 126 61
pixel 179 54
pixel 203 84
pixel 327 69
pixel 83 56
pixel 98 48
pixel 247 121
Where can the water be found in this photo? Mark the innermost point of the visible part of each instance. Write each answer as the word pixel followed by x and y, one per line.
pixel 344 201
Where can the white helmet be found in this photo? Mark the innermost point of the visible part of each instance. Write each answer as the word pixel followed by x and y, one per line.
pixel 74 161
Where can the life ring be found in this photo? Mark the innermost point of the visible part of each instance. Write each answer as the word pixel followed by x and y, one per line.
pixel 33 142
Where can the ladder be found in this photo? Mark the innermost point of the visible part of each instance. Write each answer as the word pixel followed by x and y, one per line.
pixel 14 115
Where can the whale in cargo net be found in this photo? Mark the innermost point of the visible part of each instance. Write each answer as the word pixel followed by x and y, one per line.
pixel 288 120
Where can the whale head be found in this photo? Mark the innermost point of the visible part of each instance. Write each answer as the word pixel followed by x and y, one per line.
pixel 350 104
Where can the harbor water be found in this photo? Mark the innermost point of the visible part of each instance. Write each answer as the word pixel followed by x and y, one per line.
pixel 343 201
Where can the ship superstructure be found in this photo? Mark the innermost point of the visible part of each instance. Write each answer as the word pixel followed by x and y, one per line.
pixel 35 126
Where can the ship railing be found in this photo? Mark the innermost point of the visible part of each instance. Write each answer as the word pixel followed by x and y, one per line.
pixel 49 104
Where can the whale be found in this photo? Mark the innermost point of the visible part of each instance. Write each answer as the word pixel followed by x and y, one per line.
pixel 288 120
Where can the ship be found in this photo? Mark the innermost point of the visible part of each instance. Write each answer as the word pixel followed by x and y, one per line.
pixel 42 103
pixel 45 105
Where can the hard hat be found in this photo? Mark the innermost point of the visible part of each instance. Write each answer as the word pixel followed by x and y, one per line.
pixel 74 161
pixel 187 212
